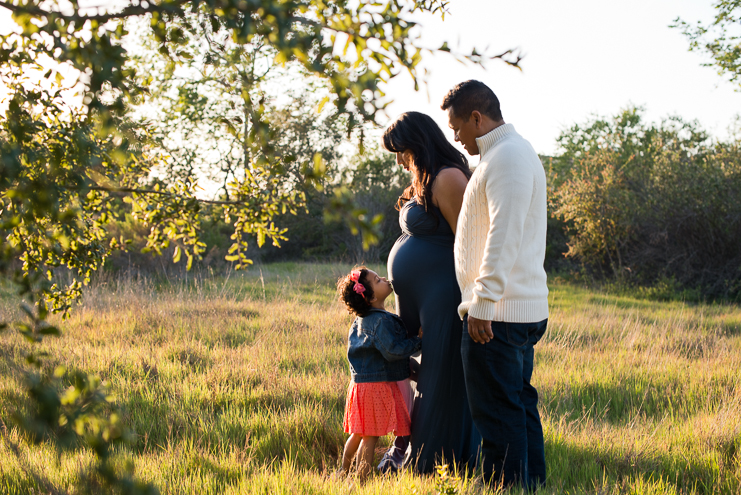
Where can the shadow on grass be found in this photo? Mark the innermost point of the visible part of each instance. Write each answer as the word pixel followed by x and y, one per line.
pixel 622 399
pixel 622 468
pixel 304 424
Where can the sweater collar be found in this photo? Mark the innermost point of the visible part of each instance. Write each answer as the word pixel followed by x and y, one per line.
pixel 487 141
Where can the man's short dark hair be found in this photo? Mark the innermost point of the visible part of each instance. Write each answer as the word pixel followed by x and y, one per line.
pixel 472 95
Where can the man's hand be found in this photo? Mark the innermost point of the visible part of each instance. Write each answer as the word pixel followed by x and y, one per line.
pixel 479 330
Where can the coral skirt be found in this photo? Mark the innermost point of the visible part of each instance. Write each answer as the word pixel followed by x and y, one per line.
pixel 375 409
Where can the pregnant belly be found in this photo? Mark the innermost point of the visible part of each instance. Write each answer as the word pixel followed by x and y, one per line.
pixel 420 269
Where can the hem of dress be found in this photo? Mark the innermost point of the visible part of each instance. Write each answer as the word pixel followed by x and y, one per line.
pixel 371 434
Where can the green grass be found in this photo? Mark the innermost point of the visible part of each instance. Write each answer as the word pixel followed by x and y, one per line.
pixel 236 385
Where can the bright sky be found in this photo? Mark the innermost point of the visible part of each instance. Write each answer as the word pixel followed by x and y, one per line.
pixel 582 57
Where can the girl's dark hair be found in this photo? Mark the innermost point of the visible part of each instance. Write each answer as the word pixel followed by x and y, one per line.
pixel 418 133
pixel 357 304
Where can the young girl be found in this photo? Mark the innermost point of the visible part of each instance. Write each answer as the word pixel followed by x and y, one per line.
pixel 378 351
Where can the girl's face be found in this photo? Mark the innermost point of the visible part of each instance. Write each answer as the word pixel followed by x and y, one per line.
pixel 381 287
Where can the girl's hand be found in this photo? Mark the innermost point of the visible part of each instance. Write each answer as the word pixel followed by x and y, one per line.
pixel 420 332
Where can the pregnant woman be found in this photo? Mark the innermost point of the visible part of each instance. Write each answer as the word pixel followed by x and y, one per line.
pixel 421 269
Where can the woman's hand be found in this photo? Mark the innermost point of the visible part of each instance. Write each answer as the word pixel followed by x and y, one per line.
pixel 447 194
pixel 419 332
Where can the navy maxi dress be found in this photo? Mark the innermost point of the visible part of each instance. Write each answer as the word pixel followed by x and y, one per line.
pixel 422 271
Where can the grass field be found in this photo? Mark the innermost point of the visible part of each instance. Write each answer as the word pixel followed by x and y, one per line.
pixel 236 385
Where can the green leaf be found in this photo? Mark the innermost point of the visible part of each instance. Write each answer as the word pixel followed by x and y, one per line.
pixel 50 330
pixel 27 309
pixel 43 310
pixel 281 58
pixel 324 101
pixel 27 332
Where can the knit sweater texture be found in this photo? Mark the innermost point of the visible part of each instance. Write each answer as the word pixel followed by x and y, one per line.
pixel 500 239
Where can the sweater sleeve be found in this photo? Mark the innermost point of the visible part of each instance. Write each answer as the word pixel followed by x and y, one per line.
pixel 509 190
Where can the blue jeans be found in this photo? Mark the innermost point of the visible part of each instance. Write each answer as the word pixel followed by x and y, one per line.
pixel 504 405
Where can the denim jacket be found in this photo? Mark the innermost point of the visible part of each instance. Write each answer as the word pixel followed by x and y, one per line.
pixel 378 348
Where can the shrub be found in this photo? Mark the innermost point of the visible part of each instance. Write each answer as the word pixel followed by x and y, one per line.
pixel 645 203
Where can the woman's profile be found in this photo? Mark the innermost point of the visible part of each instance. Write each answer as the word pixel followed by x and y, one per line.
pixel 421 269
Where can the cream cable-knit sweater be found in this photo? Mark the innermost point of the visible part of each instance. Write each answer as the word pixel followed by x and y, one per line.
pixel 500 239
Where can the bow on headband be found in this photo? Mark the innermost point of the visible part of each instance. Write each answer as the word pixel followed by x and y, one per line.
pixel 358 287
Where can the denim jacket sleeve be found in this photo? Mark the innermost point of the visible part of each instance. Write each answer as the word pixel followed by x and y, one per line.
pixel 390 339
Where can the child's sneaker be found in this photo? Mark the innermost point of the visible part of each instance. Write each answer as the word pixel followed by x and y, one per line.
pixel 388 464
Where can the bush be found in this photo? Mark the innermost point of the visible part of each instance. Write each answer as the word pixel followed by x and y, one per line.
pixel 647 203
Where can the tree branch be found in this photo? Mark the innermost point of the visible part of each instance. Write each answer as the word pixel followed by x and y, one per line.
pixel 395 56
pixel 130 11
pixel 154 191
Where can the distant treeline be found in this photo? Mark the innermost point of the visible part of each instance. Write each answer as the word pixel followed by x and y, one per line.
pixel 656 206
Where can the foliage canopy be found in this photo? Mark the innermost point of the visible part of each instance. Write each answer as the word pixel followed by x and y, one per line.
pixel 67 160
pixel 721 39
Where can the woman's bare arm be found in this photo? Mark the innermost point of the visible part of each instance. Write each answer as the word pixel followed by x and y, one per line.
pixel 447 194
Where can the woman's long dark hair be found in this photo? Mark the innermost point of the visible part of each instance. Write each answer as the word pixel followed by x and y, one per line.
pixel 418 133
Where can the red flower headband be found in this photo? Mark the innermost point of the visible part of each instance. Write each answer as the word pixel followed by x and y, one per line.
pixel 355 277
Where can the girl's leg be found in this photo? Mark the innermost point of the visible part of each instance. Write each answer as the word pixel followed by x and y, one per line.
pixel 351 446
pixel 365 456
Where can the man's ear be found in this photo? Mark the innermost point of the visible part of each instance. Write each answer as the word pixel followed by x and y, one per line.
pixel 478 119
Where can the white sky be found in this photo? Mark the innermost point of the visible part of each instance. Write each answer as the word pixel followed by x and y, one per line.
pixel 583 57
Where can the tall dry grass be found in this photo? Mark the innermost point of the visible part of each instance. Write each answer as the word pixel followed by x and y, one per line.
pixel 236 384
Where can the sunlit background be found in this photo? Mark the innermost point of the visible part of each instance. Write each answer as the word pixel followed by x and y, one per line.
pixel 581 58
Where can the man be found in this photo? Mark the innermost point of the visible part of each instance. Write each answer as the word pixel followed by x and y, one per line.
pixel 499 253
